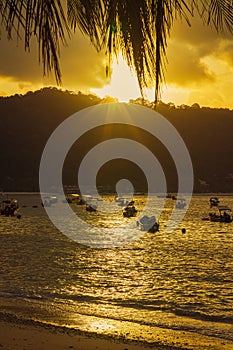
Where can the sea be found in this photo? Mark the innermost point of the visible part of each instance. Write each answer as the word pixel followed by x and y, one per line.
pixel 170 284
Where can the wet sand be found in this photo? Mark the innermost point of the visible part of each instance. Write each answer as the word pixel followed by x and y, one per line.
pixel 30 337
pixel 15 335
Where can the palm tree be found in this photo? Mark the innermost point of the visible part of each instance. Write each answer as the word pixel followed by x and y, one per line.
pixel 139 29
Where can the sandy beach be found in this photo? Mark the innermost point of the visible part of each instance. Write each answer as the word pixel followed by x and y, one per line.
pixel 31 335
pixel 27 337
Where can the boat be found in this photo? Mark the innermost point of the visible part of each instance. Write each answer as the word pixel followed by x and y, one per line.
pixel 224 214
pixel 214 202
pixel 53 199
pixel 10 207
pixel 148 223
pixel 48 201
pixel 130 210
pixel 167 195
pixel 74 198
pixel 121 201
pixel 181 203
pixel 90 202
pixel 91 207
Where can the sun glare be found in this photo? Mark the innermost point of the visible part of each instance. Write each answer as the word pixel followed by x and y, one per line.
pixel 123 85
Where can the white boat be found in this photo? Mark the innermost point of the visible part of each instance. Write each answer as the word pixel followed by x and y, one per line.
pixel 181 203
pixel 148 223
pixel 53 199
pixel 121 201
pixel 224 214
pixel 48 201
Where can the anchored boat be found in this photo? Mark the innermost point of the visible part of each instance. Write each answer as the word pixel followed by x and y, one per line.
pixel 130 210
pixel 9 207
pixel 148 223
pixel 214 202
pixel 224 214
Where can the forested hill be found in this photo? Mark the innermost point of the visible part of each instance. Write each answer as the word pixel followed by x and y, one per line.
pixel 27 121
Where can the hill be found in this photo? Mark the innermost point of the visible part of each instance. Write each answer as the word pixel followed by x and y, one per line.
pixel 27 121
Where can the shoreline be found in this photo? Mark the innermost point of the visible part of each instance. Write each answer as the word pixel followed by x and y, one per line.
pixel 18 334
pixel 26 334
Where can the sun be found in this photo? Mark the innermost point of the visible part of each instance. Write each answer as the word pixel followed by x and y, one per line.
pixel 123 85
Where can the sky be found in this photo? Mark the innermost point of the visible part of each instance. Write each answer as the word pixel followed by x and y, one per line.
pixel 199 69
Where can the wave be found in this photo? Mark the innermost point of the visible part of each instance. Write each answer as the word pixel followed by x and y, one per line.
pixel 204 317
pixel 86 301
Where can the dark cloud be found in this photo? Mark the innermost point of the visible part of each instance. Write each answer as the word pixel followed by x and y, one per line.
pixel 185 67
pixel 188 50
pixel 82 67
pixel 200 65
pixel 17 64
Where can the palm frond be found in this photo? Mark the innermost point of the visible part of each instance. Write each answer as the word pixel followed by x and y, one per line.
pixel 219 13
pixel 139 29
pixel 164 14
pixel 87 15
pixel 42 19
pixel 11 14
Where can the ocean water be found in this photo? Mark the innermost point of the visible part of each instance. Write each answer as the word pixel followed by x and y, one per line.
pixel 167 281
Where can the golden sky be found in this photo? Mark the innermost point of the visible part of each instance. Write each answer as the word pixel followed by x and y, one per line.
pixel 200 68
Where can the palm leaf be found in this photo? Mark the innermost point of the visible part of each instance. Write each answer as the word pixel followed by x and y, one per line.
pixel 219 13
pixel 44 20
pixel 139 29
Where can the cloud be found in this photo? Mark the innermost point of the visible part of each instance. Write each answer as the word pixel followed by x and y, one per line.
pixel 185 66
pixel 224 51
pixel 187 49
pixel 201 61
pixel 82 67
pixel 16 64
